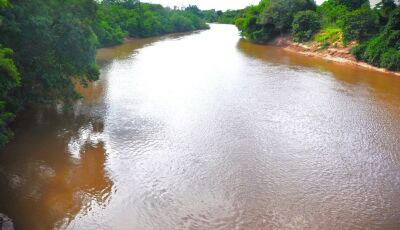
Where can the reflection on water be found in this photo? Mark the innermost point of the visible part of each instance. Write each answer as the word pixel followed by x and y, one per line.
pixel 55 166
pixel 44 184
pixel 207 131
pixel 350 74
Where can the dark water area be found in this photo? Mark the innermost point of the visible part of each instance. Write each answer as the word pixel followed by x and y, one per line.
pixel 208 131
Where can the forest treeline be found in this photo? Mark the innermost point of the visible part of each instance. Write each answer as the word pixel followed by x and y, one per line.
pixel 223 17
pixel 49 46
pixel 375 30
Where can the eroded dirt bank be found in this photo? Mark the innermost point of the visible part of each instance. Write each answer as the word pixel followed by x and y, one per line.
pixel 338 53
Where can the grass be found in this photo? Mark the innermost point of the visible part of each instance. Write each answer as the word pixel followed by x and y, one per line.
pixel 329 35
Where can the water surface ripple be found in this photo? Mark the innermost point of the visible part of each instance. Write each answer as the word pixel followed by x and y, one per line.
pixel 207 131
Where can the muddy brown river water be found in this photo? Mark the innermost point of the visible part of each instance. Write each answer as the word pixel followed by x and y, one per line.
pixel 207 131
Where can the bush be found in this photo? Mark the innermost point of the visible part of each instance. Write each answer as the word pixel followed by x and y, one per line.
pixel 9 81
pixel 328 36
pixel 280 13
pixel 394 20
pixel 391 60
pixel 305 25
pixel 359 50
pixel 383 50
pixel 117 19
pixel 374 49
pixel 353 4
pixel 331 14
pixel 360 25
pixel 270 18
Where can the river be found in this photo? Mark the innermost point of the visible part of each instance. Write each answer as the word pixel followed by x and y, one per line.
pixel 207 131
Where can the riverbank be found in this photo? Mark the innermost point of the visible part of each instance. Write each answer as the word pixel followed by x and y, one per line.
pixel 339 54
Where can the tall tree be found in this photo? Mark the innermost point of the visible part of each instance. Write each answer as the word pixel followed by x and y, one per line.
pixel 9 80
pixel 352 4
pixel 53 50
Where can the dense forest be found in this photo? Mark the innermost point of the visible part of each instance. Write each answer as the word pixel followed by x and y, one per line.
pixel 118 19
pixel 49 46
pixel 223 17
pixel 375 30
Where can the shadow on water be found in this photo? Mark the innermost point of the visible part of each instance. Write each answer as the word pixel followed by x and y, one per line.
pixel 385 86
pixel 53 169
pixel 220 135
pixel 132 46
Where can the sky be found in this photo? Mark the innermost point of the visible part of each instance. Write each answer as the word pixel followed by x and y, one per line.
pixel 212 4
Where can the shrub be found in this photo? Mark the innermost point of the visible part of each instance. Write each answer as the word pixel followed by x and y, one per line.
pixel 331 14
pixel 391 60
pixel 394 20
pixel 360 25
pixel 305 25
pixel 330 35
pixel 359 50
pixel 280 13
pixel 353 4
pixel 375 48
pixel 394 39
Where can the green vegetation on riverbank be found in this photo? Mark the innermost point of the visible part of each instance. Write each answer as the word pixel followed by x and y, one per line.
pixel 117 19
pixel 49 46
pixel 376 30
pixel 218 16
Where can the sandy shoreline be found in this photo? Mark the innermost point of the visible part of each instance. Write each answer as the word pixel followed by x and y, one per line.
pixel 339 55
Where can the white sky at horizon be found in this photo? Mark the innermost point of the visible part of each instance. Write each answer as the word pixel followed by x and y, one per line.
pixel 215 4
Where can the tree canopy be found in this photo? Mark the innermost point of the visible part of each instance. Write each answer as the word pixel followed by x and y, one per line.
pixel 47 47
pixel 117 19
pixel 375 30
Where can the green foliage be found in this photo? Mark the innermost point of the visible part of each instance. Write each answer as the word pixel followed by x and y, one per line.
pixel 270 18
pixel 107 30
pixel 328 35
pixel 117 19
pixel 210 15
pixel 181 23
pixel 377 30
pixel 305 25
pixel 331 13
pixel 55 42
pixel 9 80
pixel 384 9
pixel 3 3
pixel 280 13
pixel 384 49
pixel 229 16
pixel 360 24
pixel 352 4
pixel 391 59
pixel 394 20
pixel 53 50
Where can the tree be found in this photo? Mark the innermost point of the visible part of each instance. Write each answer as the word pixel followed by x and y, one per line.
pixel 270 18
pixel 53 50
pixel 9 80
pixel 117 19
pixel 194 10
pixel 352 4
pixel 384 49
pixel 360 25
pixel 280 13
pixel 305 25
pixel 331 14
